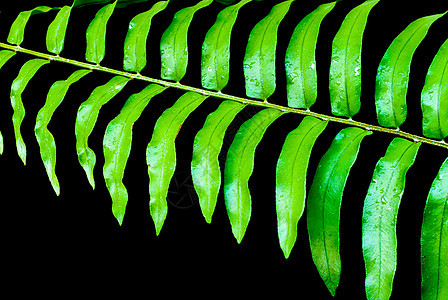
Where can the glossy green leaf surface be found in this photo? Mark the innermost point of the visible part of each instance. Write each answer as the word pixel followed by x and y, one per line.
pixel 434 239
pixel 45 139
pixel 135 42
pixel 17 31
pixel 161 153
pixel 57 29
pixel 215 62
pixel 117 146
pixel 324 203
pixel 96 34
pixel 239 167
pixel 393 73
pixel 174 46
pixel 379 219
pixel 434 100
pixel 86 119
pixel 345 69
pixel 5 56
pixel 290 179
pixel 205 171
pixel 259 59
pixel 300 60
pixel 19 84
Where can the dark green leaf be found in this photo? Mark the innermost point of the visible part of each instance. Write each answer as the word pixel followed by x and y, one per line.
pixel 324 203
pixel 434 239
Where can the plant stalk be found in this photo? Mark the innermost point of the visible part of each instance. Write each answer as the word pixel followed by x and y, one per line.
pixel 220 95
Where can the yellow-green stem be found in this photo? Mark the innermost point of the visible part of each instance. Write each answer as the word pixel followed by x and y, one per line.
pixel 220 95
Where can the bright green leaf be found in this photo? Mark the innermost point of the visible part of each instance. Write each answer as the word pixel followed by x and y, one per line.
pixel 57 29
pixel 239 167
pixel 259 60
pixel 345 69
pixel 379 219
pixel 161 153
pixel 290 179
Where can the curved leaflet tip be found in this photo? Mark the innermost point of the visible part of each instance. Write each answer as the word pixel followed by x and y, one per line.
pixel 205 171
pixel 393 73
pixel 117 146
pixel 324 203
pixel 135 42
pixel 345 69
pixel 434 239
pixel 379 219
pixel 216 49
pixel 434 99
pixel 174 46
pixel 45 139
pixel 290 179
pixel 259 59
pixel 300 61
pixel 239 167
pixel 27 72
pixel 161 153
pixel 86 118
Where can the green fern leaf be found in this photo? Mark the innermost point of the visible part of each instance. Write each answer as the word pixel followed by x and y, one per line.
pixel 434 239
pixel 215 64
pixel 435 96
pixel 174 47
pixel 86 118
pixel 161 153
pixel 117 146
pixel 345 69
pixel 259 60
pixel 44 137
pixel 205 170
pixel 290 183
pixel 300 59
pixel 239 167
pixel 393 73
pixel 96 34
pixel 5 56
pixel 57 29
pixel 135 43
pixel 379 241
pixel 27 72
pixel 17 31
pixel 324 202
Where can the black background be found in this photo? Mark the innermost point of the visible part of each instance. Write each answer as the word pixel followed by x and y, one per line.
pixel 72 243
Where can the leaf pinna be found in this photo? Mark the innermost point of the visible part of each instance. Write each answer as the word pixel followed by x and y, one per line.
pixel 297 149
